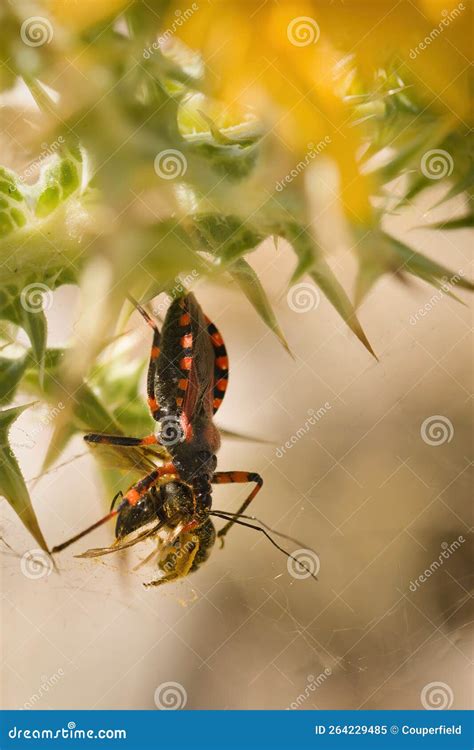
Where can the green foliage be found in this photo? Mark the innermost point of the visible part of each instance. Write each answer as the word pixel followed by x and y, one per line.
pixel 12 484
pixel 139 180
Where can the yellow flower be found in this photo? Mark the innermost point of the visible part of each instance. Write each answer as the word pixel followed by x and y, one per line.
pixel 79 14
pixel 288 61
pixel 285 60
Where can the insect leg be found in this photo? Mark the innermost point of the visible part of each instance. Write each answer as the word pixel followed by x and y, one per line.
pixel 154 354
pixel 133 495
pixel 129 442
pixel 131 498
pixel 150 380
pixel 115 498
pixel 225 477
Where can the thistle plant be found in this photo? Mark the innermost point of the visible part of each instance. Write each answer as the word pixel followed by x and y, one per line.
pixel 146 147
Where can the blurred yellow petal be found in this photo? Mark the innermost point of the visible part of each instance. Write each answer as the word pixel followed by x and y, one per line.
pixel 79 14
pixel 283 60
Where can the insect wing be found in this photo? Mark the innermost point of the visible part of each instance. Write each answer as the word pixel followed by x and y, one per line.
pixel 125 542
pixel 136 459
pixel 199 395
pixel 185 369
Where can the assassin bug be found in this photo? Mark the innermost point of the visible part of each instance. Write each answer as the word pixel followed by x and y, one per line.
pixel 186 383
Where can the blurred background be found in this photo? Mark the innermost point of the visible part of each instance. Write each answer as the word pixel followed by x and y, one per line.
pixel 361 487
pixel 306 169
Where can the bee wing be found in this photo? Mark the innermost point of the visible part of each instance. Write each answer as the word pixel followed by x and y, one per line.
pixel 141 460
pixel 124 543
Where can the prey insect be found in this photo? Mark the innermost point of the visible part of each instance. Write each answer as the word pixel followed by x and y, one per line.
pixel 187 380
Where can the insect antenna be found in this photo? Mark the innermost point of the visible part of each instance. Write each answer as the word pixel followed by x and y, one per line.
pixel 60 547
pixel 262 523
pixel 227 517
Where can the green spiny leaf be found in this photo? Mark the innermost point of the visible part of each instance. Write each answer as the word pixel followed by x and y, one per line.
pixel 248 281
pixel 23 308
pixel 58 181
pixel 324 277
pixel 303 245
pixel 84 413
pixel 11 372
pixel 311 261
pixel 462 223
pixel 422 266
pixel 227 237
pixel 12 484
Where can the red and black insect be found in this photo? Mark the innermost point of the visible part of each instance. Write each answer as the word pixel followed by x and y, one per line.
pixel 187 380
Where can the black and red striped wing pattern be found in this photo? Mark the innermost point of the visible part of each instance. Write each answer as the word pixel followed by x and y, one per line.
pixel 221 365
pixel 185 369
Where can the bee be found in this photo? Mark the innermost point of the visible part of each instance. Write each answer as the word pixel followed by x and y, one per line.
pixel 187 380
